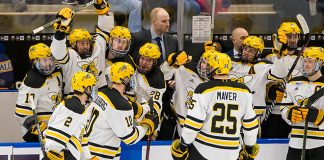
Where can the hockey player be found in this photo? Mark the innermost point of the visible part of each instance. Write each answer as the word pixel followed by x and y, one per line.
pixel 43 83
pixel 119 43
pixel 112 116
pixel 218 110
pixel 298 90
pixel 86 53
pixel 288 36
pixel 66 125
pixel 187 75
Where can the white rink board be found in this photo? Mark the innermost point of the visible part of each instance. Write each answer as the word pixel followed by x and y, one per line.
pixel 267 152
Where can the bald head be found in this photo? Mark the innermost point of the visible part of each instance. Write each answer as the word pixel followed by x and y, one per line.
pixel 238 35
pixel 160 20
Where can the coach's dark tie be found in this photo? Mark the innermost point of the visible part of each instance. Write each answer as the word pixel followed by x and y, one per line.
pixel 158 42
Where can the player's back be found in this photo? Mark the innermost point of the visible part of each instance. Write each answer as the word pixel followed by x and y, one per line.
pixel 226 106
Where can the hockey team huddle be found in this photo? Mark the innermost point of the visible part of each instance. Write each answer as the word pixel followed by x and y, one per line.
pixel 92 95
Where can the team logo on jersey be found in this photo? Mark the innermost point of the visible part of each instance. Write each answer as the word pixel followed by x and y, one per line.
pixel 56 98
pixel 190 102
pixel 302 101
pixel 90 67
pixel 244 79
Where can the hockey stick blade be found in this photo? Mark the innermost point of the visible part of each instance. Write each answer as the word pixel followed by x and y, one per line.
pixel 303 23
pixel 41 28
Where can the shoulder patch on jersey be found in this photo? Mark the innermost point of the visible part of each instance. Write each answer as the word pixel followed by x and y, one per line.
pixel 116 99
pixel 34 79
pixel 220 83
pixel 156 78
pixel 74 104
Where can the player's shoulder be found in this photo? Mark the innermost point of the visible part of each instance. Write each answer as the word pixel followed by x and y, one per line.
pixel 74 104
pixel 156 78
pixel 34 79
pixel 221 85
pixel 263 61
pixel 113 98
pixel 191 66
pixel 298 79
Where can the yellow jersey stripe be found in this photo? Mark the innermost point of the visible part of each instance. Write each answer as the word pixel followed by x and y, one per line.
pixel 132 138
pixel 309 133
pixel 77 143
pixel 193 123
pixel 57 135
pixel 24 111
pixel 103 151
pixel 222 88
pixel 218 141
pixel 251 124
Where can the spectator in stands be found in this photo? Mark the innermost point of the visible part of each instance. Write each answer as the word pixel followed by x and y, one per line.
pixel 6 70
pixel 131 7
pixel 238 35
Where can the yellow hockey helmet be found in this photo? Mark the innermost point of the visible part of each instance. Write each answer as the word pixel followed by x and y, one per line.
pixel 254 42
pixel 38 51
pixel 120 32
pixel 79 34
pixel 121 70
pixel 314 52
pixel 150 50
pixel 83 81
pixel 289 28
pixel 212 45
pixel 220 63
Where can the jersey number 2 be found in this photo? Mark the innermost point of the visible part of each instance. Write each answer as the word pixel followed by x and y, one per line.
pixel 225 112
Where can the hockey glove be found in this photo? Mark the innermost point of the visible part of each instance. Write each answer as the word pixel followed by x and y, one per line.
pixel 275 92
pixel 138 109
pixel 151 122
pixel 178 150
pixel 209 45
pixel 52 155
pixel 42 127
pixel 294 114
pixel 313 115
pixel 102 7
pixel 280 44
pixel 249 152
pixel 66 15
pixel 179 58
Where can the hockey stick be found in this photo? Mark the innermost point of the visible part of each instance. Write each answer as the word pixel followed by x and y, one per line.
pixel 143 93
pixel 40 136
pixel 35 31
pixel 305 29
pixel 312 99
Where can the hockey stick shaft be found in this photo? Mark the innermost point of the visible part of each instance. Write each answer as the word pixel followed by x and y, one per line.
pixel 305 29
pixel 41 28
pixel 40 137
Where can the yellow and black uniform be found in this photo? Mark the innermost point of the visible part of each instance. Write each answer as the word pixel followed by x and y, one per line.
pixel 219 110
pixel 111 122
pixel 299 89
pixel 65 128
pixel 46 90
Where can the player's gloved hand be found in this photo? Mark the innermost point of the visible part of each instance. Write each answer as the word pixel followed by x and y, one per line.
pixel 179 151
pixel 275 91
pixel 137 108
pixel 280 44
pixel 313 115
pixel 42 126
pixel 102 7
pixel 151 122
pixel 294 114
pixel 53 155
pixel 179 58
pixel 210 45
pixel 66 15
pixel 249 152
